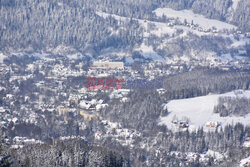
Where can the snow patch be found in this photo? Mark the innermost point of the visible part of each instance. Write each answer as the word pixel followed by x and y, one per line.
pixel 215 154
pixel 245 162
pixel 129 60
pixel 240 42
pixel 2 57
pixel 226 57
pixel 148 52
pixel 235 4
pixel 246 144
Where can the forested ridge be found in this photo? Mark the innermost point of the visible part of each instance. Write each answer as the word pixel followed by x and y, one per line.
pixel 44 24
pixel 49 118
pixel 205 81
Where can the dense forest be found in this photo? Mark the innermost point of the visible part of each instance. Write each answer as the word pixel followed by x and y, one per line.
pixel 45 24
pixel 197 82
pixel 67 153
pixel 228 106
pixel 204 81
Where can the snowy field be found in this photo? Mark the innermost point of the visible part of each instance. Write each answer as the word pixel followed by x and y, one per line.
pixel 199 111
pixel 203 22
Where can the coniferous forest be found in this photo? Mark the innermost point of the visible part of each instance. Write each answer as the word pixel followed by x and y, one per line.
pixel 184 99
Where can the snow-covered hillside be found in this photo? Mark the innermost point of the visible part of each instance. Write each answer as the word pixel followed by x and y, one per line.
pixel 189 16
pixel 169 34
pixel 158 30
pixel 199 111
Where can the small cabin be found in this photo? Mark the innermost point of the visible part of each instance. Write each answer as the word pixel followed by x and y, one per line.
pixel 183 124
pixel 212 124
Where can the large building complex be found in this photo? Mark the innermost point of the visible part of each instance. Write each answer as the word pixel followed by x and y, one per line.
pixel 108 65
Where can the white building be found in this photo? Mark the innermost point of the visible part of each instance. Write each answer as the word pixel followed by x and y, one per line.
pixel 108 65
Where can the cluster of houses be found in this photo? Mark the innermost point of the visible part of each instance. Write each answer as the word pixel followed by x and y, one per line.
pixel 184 123
pixel 123 135
pixel 192 25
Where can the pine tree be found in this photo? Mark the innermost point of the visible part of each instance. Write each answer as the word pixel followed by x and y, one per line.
pixel 4 160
